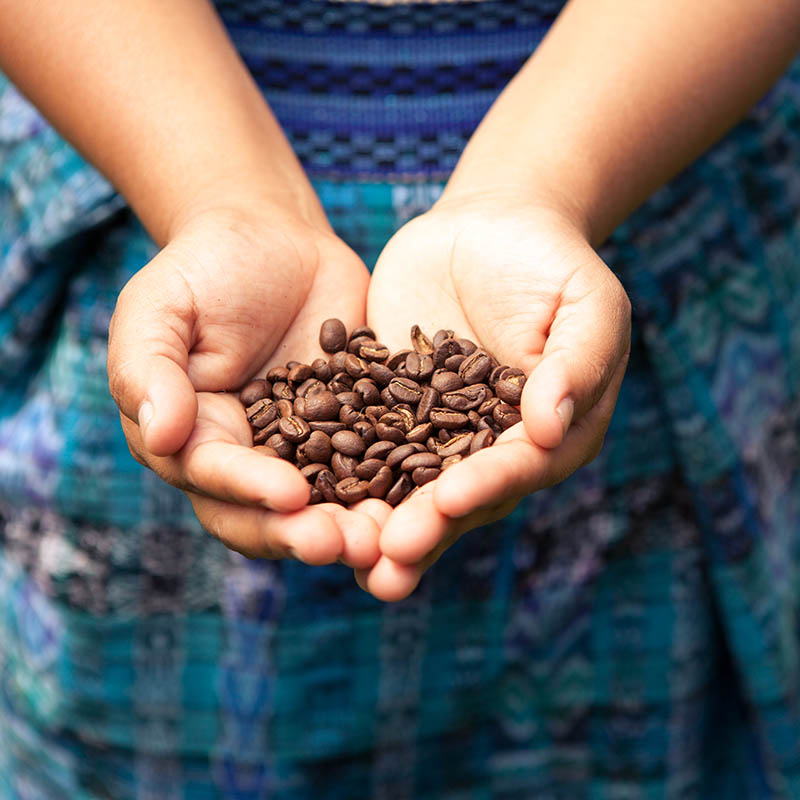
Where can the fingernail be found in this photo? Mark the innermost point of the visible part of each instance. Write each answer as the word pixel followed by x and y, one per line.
pixel 145 415
pixel 565 410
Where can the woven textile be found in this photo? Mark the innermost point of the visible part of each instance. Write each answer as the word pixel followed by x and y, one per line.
pixel 632 633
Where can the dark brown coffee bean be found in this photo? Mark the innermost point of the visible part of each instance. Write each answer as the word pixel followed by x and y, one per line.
pixel 509 388
pixel 314 496
pixel 283 447
pixel 294 429
pixel 311 471
pixel 282 391
pixel 355 344
pixel 348 415
pixel 336 362
pixel 467 398
pixel 340 382
pixel 351 399
pixel 440 336
pixel 448 419
pixel 395 458
pixel 348 442
pixel 373 351
pixel 262 412
pixel 419 341
pixel 449 347
pixel 457 445
pixel 401 372
pixel 321 406
pixel 423 475
pixel 322 370
pixel 474 418
pixel 261 436
pixel 489 423
pixel 450 460
pixel 379 449
pixel 299 406
pixel 328 427
pixel 367 391
pixel 484 438
pixel 380 373
pixel 410 463
pixel 332 335
pixel 278 374
pixel 368 469
pixel 430 399
pixel 506 416
pixel 488 406
pixel 468 347
pixel 351 490
pixel 419 366
pixel 387 398
pixel 432 445
pixel 409 418
pixel 299 373
pixel 454 362
pixel 393 418
pixel 256 389
pixel 356 367
pixel 381 483
pixel 285 408
pixel 310 386
pixel 399 490
pixel 495 375
pixel 366 430
pixel 446 381
pixel 475 368
pixel 362 330
pixel 419 433
pixel 405 390
pixel 390 433
pixel 325 484
pixel 343 466
pixel 398 358
pixel 300 458
pixel 374 413
pixel 318 447
pixel 445 435
pixel 266 451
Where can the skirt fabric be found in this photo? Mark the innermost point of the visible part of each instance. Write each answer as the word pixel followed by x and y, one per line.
pixel 632 633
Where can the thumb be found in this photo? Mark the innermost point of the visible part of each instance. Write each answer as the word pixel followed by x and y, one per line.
pixel 587 341
pixel 148 352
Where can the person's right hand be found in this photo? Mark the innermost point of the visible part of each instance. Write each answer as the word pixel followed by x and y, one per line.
pixel 231 295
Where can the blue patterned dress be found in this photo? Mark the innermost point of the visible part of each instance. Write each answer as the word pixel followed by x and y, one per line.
pixel 630 634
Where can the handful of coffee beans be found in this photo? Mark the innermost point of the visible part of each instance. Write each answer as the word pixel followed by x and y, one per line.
pixel 365 422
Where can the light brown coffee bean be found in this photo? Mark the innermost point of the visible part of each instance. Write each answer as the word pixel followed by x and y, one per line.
pixel 328 426
pixel 405 390
pixel 277 374
pixel 419 433
pixel 379 449
pixel 299 373
pixel 259 437
pixel 446 381
pixel 395 458
pixel 390 433
pixel 282 391
pixel 366 430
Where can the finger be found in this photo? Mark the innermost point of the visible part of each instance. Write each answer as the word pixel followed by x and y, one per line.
pixel 389 581
pixel 414 528
pixel 360 534
pixel 149 341
pixel 309 535
pixel 588 339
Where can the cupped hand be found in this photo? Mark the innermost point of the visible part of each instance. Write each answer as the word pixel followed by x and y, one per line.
pixel 524 284
pixel 231 295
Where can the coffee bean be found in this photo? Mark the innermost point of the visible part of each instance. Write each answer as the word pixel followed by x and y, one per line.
pixel 419 366
pixel 366 430
pixel 325 484
pixel 468 347
pixel 282 391
pixel 340 382
pixel 395 458
pixel 348 415
pixel 430 399
pixel 362 330
pixel 488 406
pixel 450 460
pixel 283 447
pixel 408 417
pixel 294 429
pixel 509 388
pixel 348 442
pixel 285 408
pixel 381 483
pixel 321 405
pixel 322 370
pixel 368 469
pixel 445 381
pixel 423 475
pixel 387 398
pixel 405 390
pixel 261 436
pixel 299 373
pixel 351 490
pixel 454 362
pixel 332 335
pixel 420 342
pixel 380 373
pixel 441 335
pixel 457 445
pixel 373 351
pixel 326 426
pixel 399 490
pixel 299 407
pixel 290 365
pixel 506 416
pixel 390 433
pixel 367 391
pixel 311 471
pixel 379 449
pixel 318 447
pixel 310 386
pixel 495 375
pixel 277 374
pixel 262 412
pixel 448 419
pixel 410 463
pixel 355 344
pixel 336 362
pixel 255 390
pixel 432 444
pixel 419 433
pixel 484 438
pixel 397 359
pixel 467 398
pixel 343 466
pixel 374 413
pixel 266 451
pixel 356 367
pixel 475 368
pixel 351 399
pixel 488 423
pixel 449 347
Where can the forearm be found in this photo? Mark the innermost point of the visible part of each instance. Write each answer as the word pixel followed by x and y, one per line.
pixel 620 96
pixel 153 93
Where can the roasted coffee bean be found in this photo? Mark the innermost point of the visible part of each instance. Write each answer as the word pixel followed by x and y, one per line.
pixel 348 415
pixel 400 372
pixel 467 398
pixel 468 347
pixel 446 381
pixel 299 406
pixel 283 447
pixel 266 451
pixel 430 399
pixel 322 370
pixel 351 399
pixel 315 496
pixel 348 442
pixel 310 386
pixel 343 466
pixel 449 347
pixel 380 373
pixel 340 382
pixel 450 460
pixel 285 408
pixel 423 475
pixel 454 362
pixel 318 447
pixel 354 345
pixel 325 484
pixel 419 341
pixel 390 433
pixel 448 419
pixel 474 417
pixel 456 445
pixel 262 412
pixel 366 430
pixel 261 436
pixel 336 362
pixel 363 330
pixel 387 398
pixel 506 416
pixel 399 490
pixel 410 463
pixel 420 433
pixel 393 418
pixel 432 444
pixel 328 426
pixel 300 458
pixel 409 419
pixel 509 388
pixel 351 490
pixel 381 483
pixel 395 458
pixel 255 390
pixel 484 438
pixel 332 335
pixel 310 471
pixel 395 360
pixel 294 429
pixel 356 367
pixel 419 366
pixel 475 368
pixel 277 374
pixel 440 336
pixel 405 390
pixel 489 423
pixel 299 373
pixel 282 391
pixel 379 449
pixel 290 365
pixel 368 469
pixel 373 351
pixel 488 406
pixel 374 413
pixel 321 406
pixel 495 375
pixel 367 391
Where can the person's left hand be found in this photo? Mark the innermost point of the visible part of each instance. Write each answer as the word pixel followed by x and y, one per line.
pixel 524 284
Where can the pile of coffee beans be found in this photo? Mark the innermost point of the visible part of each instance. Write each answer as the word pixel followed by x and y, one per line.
pixel 365 422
